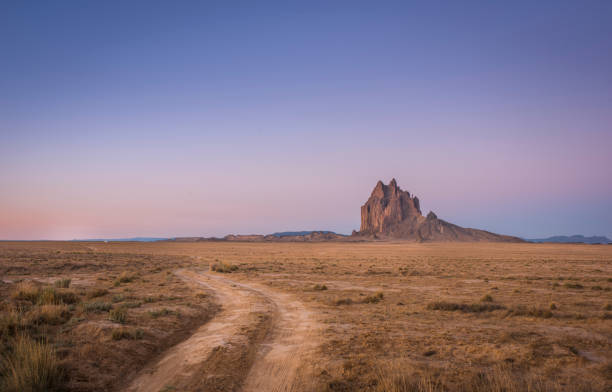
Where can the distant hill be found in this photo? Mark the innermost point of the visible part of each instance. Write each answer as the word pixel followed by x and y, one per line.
pixel 134 239
pixel 296 233
pixel 574 238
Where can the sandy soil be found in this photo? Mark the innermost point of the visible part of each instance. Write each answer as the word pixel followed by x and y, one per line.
pixel 281 359
pixel 321 316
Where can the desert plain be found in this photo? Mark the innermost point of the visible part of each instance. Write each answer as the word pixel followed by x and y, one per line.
pixel 319 316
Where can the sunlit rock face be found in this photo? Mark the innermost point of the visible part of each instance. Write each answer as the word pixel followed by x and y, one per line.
pixel 391 212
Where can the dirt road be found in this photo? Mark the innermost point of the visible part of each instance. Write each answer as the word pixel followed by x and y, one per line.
pixel 261 340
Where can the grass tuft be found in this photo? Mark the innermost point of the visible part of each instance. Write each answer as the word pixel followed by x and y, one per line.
pixel 573 285
pixel 487 298
pixel 63 283
pixel 30 366
pixel 118 315
pixel 96 307
pixel 124 333
pixel 222 267
pixel 97 292
pixel 530 312
pixel 372 299
pixel 465 308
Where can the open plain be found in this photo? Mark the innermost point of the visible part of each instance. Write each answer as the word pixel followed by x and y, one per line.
pixel 329 316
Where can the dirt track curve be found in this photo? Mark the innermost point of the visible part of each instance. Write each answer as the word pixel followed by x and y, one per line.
pixel 260 340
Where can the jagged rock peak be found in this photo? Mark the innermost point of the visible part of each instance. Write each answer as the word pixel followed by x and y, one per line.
pixel 391 212
pixel 387 206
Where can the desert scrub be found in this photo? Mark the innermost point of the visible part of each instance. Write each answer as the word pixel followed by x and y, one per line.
pixel 118 298
pixel 465 308
pixel 487 298
pixel 319 287
pixel 63 283
pixel 573 285
pixel 97 292
pixel 125 277
pixel 223 267
pixel 30 366
pixel 530 312
pixel 11 320
pixel 44 295
pixel 96 307
pixel 160 312
pixel 372 299
pixel 125 333
pixel 26 292
pixel 118 315
pixel 343 301
pixel 396 378
pixel 48 314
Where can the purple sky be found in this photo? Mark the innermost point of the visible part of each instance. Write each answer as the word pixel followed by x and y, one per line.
pixel 165 119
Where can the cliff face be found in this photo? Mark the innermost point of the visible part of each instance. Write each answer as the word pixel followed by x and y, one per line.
pixel 393 213
pixel 387 206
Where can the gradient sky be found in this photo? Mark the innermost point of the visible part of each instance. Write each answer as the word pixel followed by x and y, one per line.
pixel 143 118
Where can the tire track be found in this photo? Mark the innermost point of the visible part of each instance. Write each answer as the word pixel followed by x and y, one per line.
pixel 281 362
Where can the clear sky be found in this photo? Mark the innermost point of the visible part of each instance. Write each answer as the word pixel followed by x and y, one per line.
pixel 144 118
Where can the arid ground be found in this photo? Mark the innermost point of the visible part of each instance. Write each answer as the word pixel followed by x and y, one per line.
pixel 331 316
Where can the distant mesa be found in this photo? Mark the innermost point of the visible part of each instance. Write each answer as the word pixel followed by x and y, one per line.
pixel 576 239
pixel 391 213
pixel 288 236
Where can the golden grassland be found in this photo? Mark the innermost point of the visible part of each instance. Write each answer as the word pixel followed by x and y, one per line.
pixel 396 316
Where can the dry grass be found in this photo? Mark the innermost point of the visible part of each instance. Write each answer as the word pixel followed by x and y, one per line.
pixel 118 315
pixel 500 378
pixel 30 367
pixel 125 333
pixel 459 317
pixel 35 302
pixel 465 308
pixel 63 283
pixel 222 267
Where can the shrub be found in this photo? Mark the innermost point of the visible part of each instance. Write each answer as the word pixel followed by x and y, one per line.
pixel 160 312
pixel 223 267
pixel 96 307
pixel 26 292
pixel 343 301
pixel 48 296
pixel 124 278
pixel 124 333
pixel 465 308
pixel 30 366
pixel 372 299
pixel 396 378
pixel 487 298
pixel 97 292
pixel 319 287
pixel 10 321
pixel 573 285
pixel 118 315
pixel 530 312
pixel 63 283
pixel 49 314
pixel 118 298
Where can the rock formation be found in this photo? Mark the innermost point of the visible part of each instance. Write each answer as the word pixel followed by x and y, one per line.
pixel 393 213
